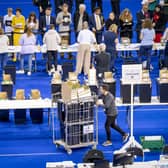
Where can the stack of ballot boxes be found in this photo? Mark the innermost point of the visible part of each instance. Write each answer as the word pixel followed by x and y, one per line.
pixel 92 81
pixel 76 113
pixel 4 114
pixel 36 115
pixel 110 81
pixel 11 69
pixel 20 114
pixel 145 87
pixel 162 85
pixel 56 86
pixel 7 85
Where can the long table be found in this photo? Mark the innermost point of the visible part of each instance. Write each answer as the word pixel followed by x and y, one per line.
pixel 74 48
pixel 25 104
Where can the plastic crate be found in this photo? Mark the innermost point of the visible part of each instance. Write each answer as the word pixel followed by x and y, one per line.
pixel 152 142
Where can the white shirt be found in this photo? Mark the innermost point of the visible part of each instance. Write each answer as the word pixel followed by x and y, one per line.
pixel 7 21
pixel 52 40
pixel 4 41
pixel 86 37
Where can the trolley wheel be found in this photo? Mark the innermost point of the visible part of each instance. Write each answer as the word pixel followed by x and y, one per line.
pixel 94 146
pixel 57 145
pixel 69 151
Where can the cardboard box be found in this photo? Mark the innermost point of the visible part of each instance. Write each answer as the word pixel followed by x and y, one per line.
pixel 72 76
pixel 35 94
pixel 20 94
pixel 3 96
pixel 7 77
pixel 108 77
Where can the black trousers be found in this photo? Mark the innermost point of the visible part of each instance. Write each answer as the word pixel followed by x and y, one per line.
pixel 111 122
pixel 99 4
pixel 51 56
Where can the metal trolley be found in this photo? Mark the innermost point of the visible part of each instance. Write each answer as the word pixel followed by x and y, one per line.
pixel 75 124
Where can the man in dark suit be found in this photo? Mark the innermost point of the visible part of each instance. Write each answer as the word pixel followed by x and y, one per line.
pixel 42 4
pixel 115 4
pixel 46 21
pixel 59 3
pixel 102 61
pixel 95 3
pixel 80 16
pixel 96 24
pixel 141 16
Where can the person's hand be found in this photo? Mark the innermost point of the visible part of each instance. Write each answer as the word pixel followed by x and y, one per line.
pixel 41 9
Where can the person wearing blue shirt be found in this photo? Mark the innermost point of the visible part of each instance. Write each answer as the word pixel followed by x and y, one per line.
pixel 147 37
pixel 110 39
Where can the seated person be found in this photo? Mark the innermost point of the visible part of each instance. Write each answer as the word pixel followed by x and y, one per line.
pixel 102 61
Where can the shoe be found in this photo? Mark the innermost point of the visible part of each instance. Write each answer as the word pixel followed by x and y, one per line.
pixel 107 143
pixel 29 73
pixel 20 72
pixel 125 137
pixel 49 73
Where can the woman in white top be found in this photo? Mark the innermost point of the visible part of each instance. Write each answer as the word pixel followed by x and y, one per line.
pixel 32 22
pixel 165 38
pixel 147 37
pixel 27 42
pixel 4 42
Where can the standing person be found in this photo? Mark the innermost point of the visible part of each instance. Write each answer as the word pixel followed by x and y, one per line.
pixel 141 16
pixel 7 22
pixel 27 42
pixel 95 3
pixel 110 39
pixel 159 21
pixel 85 39
pixel 165 38
pixel 126 27
pixel 42 5
pixel 115 4
pixel 64 21
pixel 80 16
pixel 33 22
pixel 78 2
pixel 4 42
pixel 102 61
pixel 111 115
pixel 59 4
pixel 96 24
pixel 111 20
pixel 52 40
pixel 18 24
pixel 46 20
pixel 147 37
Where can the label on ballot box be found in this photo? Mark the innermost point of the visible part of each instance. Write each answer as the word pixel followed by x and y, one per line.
pixel 87 129
pixel 131 73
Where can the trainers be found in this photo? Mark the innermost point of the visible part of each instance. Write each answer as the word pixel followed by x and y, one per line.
pixel 20 72
pixel 49 73
pixel 125 137
pixel 29 73
pixel 107 143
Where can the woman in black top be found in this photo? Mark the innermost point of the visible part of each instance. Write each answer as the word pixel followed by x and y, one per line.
pixel 111 20
pixel 126 25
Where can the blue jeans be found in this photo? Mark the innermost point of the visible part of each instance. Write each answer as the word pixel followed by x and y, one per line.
pixel 3 59
pixel 145 51
pixel 22 58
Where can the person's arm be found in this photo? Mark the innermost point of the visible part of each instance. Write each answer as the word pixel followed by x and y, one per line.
pixel 44 38
pixel 58 38
pixel 59 19
pixel 21 42
pixel 165 35
pixel 108 102
pixel 141 35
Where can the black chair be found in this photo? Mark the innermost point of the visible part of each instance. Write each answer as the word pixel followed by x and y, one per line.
pixel 93 155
